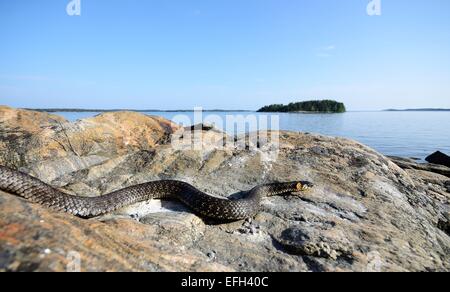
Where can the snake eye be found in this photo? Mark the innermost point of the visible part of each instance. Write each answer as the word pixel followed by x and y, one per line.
pixel 306 185
pixel 303 186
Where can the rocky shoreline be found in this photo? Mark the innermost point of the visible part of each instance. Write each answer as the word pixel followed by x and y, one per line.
pixel 367 213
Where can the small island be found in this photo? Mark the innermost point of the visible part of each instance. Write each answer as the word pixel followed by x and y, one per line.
pixel 316 106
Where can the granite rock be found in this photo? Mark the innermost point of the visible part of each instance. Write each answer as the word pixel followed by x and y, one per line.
pixel 366 213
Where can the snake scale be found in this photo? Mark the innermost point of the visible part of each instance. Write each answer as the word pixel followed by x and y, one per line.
pixel 36 191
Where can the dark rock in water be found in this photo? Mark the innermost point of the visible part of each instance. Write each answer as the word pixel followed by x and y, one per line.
pixel 439 158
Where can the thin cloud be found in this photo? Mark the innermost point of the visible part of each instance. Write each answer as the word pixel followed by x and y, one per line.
pixel 329 48
pixel 325 52
pixel 25 77
pixel 323 55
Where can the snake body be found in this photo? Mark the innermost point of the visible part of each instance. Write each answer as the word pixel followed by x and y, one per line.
pixel 36 191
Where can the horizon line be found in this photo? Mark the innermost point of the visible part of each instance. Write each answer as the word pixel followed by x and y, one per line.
pixel 56 109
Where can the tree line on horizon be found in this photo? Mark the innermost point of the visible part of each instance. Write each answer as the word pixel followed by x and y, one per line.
pixel 323 106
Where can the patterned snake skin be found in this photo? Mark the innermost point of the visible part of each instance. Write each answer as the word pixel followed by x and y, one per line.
pixel 38 192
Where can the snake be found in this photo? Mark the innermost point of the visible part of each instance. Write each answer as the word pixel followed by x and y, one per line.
pixel 36 191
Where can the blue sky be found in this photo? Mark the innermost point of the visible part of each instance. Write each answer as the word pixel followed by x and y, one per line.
pixel 233 54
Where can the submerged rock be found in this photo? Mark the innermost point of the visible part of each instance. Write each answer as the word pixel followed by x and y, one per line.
pixel 365 214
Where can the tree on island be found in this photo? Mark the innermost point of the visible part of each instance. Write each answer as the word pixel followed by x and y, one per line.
pixel 322 106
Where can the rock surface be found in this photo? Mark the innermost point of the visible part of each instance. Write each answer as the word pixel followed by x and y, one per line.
pixel 410 164
pixel 365 214
pixel 48 143
pixel 33 239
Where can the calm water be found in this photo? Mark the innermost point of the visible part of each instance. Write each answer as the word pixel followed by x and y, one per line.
pixel 406 134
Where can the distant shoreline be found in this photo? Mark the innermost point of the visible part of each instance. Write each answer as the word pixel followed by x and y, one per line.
pixel 419 110
pixel 75 110
pixel 71 110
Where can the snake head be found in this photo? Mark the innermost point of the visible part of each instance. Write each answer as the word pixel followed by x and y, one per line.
pixel 303 186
